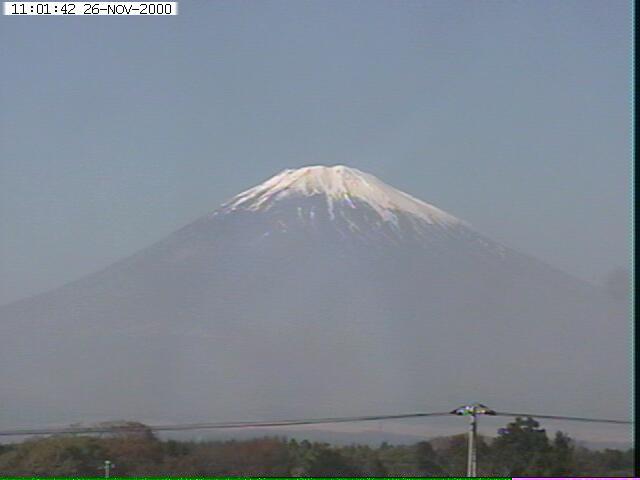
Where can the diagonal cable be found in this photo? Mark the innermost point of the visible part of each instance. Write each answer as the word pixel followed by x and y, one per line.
pixel 275 423
pixel 561 417
pixel 217 425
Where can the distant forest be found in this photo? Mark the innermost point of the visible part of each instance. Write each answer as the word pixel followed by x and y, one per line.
pixel 522 448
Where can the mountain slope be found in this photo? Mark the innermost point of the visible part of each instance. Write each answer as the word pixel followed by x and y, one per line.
pixel 322 291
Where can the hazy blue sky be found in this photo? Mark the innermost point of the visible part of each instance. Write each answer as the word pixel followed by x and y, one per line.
pixel 115 131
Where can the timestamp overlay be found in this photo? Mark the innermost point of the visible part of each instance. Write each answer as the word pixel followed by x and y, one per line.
pixel 90 8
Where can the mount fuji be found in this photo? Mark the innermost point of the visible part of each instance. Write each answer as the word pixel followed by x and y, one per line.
pixel 320 292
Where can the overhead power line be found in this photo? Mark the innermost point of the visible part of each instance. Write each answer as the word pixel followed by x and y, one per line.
pixel 560 417
pixel 474 410
pixel 215 425
pixel 262 424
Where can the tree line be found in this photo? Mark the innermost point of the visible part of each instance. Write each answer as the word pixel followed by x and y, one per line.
pixel 522 448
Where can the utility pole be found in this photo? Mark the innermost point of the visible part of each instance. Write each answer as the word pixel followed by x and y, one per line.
pixel 107 468
pixel 471 453
pixel 472 411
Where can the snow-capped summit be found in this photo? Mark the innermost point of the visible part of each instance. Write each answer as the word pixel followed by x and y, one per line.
pixel 318 292
pixel 338 184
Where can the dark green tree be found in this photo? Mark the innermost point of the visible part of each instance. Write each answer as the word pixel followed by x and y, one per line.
pixel 324 461
pixel 428 461
pixel 522 448
pixel 453 451
pixel 560 460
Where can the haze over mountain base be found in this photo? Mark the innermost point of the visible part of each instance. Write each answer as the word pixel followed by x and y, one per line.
pixel 322 292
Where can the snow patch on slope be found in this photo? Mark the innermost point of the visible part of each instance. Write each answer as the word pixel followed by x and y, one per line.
pixel 339 183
